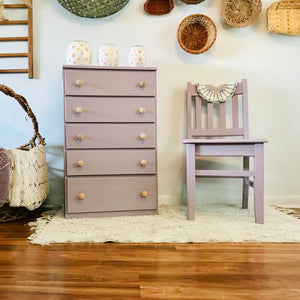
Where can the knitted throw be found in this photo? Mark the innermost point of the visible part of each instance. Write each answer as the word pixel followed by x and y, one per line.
pixel 4 176
pixel 29 184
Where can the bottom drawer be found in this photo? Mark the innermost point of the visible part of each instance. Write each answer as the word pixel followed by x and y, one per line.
pixel 110 193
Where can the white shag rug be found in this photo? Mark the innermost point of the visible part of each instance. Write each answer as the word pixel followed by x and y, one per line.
pixel 213 223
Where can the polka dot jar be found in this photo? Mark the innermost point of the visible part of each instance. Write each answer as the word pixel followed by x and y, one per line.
pixel 108 55
pixel 137 56
pixel 78 53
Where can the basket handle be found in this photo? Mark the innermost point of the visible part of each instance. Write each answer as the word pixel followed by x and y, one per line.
pixel 23 102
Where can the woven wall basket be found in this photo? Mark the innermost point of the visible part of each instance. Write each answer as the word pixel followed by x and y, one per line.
pixel 192 1
pixel 284 17
pixel 93 8
pixel 196 33
pixel 158 7
pixel 240 13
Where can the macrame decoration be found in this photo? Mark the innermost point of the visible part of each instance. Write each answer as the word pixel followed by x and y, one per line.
pixel 214 94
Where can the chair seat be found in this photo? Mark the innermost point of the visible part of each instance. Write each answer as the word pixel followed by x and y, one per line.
pixel 223 141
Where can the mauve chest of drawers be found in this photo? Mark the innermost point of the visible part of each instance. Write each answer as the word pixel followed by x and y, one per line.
pixel 110 141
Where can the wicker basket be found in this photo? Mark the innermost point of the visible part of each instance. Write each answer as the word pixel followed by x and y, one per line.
pixel 8 213
pixel 192 1
pixel 158 7
pixel 284 17
pixel 196 33
pixel 240 13
pixel 93 8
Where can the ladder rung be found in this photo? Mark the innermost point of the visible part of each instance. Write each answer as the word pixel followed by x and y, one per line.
pixel 15 6
pixel 13 39
pixel 13 54
pixel 14 22
pixel 13 70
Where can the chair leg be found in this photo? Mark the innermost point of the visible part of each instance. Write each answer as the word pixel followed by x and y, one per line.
pixel 259 184
pixel 190 181
pixel 245 183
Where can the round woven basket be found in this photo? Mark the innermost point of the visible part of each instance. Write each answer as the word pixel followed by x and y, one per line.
pixel 93 8
pixel 196 33
pixel 192 1
pixel 284 17
pixel 240 13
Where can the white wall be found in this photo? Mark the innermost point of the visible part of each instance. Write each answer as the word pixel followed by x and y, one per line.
pixel 270 62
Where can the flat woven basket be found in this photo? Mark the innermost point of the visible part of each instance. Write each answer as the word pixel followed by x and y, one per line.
pixel 93 8
pixel 240 13
pixel 284 17
pixel 196 33
pixel 192 1
pixel 158 7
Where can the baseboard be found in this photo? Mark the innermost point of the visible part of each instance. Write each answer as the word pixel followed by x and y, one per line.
pixel 171 200
pixel 284 201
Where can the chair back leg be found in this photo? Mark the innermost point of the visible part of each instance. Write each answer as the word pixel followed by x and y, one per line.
pixel 245 183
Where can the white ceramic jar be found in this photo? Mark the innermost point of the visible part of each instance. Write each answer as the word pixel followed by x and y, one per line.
pixel 108 55
pixel 78 53
pixel 137 56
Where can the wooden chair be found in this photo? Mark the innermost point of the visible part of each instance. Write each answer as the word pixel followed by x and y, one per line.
pixel 206 138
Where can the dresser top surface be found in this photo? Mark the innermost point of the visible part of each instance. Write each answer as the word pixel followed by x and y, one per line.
pixel 109 68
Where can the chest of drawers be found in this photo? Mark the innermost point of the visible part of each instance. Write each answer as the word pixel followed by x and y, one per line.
pixel 110 141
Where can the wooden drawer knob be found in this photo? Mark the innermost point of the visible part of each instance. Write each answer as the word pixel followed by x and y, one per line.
pixel 79 82
pixel 144 194
pixel 142 110
pixel 80 163
pixel 143 136
pixel 81 196
pixel 79 110
pixel 143 162
pixel 142 84
pixel 80 136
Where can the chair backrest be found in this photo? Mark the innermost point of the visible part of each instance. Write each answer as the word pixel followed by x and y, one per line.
pixel 224 119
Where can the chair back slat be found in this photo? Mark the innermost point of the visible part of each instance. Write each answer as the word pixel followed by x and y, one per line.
pixel 198 108
pixel 235 111
pixel 223 119
pixel 209 116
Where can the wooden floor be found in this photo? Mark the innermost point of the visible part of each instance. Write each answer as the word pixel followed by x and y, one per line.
pixel 145 271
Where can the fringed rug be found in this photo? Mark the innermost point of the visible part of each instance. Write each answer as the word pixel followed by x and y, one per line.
pixel 214 223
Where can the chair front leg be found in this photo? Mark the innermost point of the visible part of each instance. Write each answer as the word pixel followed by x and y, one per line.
pixel 259 183
pixel 190 181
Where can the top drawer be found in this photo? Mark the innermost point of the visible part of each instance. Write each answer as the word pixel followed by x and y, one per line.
pixel 110 82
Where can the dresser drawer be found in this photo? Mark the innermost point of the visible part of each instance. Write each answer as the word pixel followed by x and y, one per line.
pixel 110 82
pixel 110 193
pixel 118 110
pixel 114 162
pixel 83 136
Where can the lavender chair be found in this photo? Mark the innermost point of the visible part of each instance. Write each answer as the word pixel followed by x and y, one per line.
pixel 229 137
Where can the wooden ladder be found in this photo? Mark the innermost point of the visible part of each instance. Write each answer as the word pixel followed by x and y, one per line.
pixel 28 39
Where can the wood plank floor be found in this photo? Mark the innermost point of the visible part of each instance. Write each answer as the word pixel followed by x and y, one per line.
pixel 145 271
